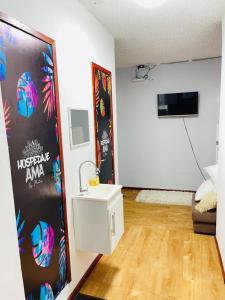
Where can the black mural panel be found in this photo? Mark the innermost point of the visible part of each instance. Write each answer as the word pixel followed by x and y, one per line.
pixel 103 123
pixel 28 95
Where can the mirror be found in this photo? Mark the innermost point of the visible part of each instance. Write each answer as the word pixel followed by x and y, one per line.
pixel 79 127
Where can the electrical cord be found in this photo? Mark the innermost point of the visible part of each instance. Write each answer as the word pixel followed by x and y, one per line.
pixel 192 149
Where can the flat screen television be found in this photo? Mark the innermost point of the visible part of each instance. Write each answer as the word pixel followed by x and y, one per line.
pixel 178 104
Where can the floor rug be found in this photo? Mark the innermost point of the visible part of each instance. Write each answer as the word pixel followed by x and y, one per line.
pixel 165 197
pixel 86 297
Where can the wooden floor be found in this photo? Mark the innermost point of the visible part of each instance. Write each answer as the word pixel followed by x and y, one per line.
pixel 158 258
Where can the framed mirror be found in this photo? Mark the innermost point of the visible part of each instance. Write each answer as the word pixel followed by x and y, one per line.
pixel 79 127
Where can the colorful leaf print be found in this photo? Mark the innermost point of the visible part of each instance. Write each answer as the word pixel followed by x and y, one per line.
pixel 30 297
pixel 62 257
pixel 110 130
pixel 57 175
pixel 62 249
pixel 48 80
pixel 102 108
pixel 46 292
pixel 3 60
pixel 5 36
pixel 99 154
pixel 19 231
pixel 42 244
pixel 97 92
pixel 104 81
pixel 27 95
pixel 57 132
pixel 109 86
pixel 6 110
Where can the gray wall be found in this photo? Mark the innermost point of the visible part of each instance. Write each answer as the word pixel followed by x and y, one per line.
pixel 155 152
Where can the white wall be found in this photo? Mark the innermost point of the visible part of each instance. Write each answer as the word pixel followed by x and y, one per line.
pixel 80 39
pixel 153 152
pixel 220 232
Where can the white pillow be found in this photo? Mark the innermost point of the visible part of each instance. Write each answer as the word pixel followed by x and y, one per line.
pixel 213 173
pixel 205 188
pixel 207 203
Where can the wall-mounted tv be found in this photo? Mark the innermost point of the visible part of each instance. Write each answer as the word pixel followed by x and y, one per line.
pixel 178 104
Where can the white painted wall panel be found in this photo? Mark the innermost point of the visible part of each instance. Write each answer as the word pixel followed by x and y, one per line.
pixel 154 152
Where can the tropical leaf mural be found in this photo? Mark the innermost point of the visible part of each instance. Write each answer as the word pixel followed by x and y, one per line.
pixel 57 174
pixel 42 243
pixel 27 83
pixel 30 297
pixel 102 108
pixel 3 60
pixel 19 231
pixel 46 292
pixel 97 91
pixel 57 132
pixel 62 257
pixel 62 250
pixel 104 81
pixel 48 80
pixel 27 95
pixel 109 86
pixel 6 110
pixel 103 123
pixel 5 36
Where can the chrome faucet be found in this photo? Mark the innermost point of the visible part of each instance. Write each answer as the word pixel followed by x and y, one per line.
pixel 81 165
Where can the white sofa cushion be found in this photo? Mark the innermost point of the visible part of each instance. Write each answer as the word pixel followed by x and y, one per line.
pixel 206 187
pixel 207 203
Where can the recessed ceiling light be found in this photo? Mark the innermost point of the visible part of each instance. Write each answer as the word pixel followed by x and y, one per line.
pixel 149 3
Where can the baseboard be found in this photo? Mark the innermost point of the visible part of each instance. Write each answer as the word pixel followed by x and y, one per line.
pixel 220 259
pixel 157 189
pixel 84 278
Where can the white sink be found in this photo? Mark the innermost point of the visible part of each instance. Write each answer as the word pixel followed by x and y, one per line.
pixel 98 218
pixel 101 192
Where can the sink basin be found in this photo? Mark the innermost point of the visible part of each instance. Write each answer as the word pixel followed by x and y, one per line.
pixel 102 192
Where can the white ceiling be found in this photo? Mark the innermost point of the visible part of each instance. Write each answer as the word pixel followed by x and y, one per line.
pixel 173 31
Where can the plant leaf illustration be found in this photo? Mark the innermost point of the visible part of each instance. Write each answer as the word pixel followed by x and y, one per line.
pixel 30 297
pixel 3 60
pixel 62 249
pixel 57 176
pixel 20 227
pixel 6 110
pixel 48 79
pixel 27 95
pixel 42 243
pixel 46 292
pixel 62 258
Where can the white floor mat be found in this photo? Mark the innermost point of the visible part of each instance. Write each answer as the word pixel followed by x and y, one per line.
pixel 165 197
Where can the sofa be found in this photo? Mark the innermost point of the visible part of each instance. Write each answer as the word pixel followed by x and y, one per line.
pixel 204 223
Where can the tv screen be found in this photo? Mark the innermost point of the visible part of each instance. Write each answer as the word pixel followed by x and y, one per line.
pixel 178 104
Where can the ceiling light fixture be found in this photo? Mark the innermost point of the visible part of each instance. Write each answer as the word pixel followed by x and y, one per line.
pixel 149 3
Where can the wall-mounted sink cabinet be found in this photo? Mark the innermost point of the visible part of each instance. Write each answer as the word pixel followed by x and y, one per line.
pixel 99 218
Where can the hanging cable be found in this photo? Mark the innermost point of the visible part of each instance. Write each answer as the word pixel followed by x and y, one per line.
pixel 192 149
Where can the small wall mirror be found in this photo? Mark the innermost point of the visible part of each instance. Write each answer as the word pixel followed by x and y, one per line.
pixel 79 127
